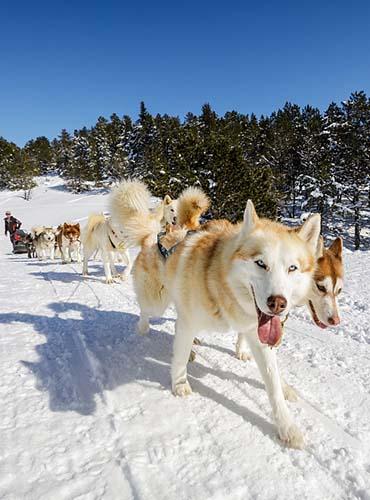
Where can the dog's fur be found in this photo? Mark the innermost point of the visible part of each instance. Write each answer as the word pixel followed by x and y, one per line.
pixel 216 280
pixel 31 249
pixel 100 235
pixel 68 241
pixel 44 241
pixel 130 202
pixel 327 285
pixel 321 300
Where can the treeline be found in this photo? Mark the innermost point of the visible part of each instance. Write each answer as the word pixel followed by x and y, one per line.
pixel 293 161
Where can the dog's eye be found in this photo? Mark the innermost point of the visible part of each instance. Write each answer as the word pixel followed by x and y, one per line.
pixel 260 263
pixel 172 210
pixel 339 291
pixel 292 268
pixel 321 288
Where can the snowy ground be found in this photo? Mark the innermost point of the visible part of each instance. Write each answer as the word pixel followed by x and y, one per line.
pixel 86 410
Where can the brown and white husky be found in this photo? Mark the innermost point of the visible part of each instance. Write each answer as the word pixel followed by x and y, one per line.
pixel 68 241
pixel 245 279
pixel 109 236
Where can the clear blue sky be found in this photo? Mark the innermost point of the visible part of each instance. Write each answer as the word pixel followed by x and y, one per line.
pixel 65 63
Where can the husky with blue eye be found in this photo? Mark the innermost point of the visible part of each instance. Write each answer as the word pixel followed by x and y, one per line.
pixel 245 278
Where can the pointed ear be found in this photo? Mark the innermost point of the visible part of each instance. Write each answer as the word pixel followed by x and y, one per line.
pixel 78 225
pixel 310 231
pixel 320 247
pixel 250 218
pixel 337 247
pixel 167 199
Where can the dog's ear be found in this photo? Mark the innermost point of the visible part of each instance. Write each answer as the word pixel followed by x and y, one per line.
pixel 250 218
pixel 310 231
pixel 167 199
pixel 337 248
pixel 320 247
pixel 77 225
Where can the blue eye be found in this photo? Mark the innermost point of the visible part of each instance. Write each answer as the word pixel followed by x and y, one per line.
pixel 260 263
pixel 292 268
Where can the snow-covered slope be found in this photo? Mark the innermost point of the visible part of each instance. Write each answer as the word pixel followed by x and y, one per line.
pixel 86 410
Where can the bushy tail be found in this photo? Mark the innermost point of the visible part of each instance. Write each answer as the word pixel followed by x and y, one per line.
pixel 193 203
pixel 93 222
pixel 129 206
pixel 129 199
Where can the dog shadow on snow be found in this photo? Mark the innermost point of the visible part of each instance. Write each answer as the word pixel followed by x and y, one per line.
pixel 89 351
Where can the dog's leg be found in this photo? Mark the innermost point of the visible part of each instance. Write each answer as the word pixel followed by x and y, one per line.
pixel 182 345
pixel 266 360
pixel 85 265
pixel 128 262
pixel 142 326
pixel 67 255
pixel 107 267
pixel 114 271
pixel 52 253
pixel 241 350
pixel 78 256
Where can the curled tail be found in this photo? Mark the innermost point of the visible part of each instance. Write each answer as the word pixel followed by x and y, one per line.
pixel 193 203
pixel 128 199
pixel 93 222
pixel 129 206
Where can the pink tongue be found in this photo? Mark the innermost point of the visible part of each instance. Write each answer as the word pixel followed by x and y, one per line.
pixel 269 329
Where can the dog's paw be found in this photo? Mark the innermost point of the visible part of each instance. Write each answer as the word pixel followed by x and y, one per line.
pixel 289 393
pixel 109 281
pixel 243 355
pixel 182 389
pixel 292 437
pixel 197 341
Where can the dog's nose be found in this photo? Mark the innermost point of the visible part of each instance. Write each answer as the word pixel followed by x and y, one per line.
pixel 174 220
pixel 334 320
pixel 276 303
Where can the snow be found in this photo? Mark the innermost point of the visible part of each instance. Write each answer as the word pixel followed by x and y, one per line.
pixel 86 409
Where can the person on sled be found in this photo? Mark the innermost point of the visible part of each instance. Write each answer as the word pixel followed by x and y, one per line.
pixel 11 225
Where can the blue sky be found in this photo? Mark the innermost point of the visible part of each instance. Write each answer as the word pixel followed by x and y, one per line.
pixel 65 63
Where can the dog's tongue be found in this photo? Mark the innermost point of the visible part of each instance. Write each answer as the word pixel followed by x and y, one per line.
pixel 269 329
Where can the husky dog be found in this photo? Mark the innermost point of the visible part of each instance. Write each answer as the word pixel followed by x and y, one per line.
pixel 100 235
pixel 68 241
pixel 327 285
pixel 30 244
pixel 44 241
pixel 245 279
pixel 132 200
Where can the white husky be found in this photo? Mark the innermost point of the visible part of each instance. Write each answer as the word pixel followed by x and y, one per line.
pixel 108 235
pixel 44 241
pixel 244 279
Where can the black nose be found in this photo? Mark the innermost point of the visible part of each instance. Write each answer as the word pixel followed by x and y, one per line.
pixel 276 303
pixel 174 220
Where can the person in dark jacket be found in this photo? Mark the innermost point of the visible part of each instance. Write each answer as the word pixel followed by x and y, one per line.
pixel 11 225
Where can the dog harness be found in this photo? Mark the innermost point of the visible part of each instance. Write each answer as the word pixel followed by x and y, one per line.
pixel 166 252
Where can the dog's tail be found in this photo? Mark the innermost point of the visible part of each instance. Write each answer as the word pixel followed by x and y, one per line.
pixel 129 206
pixel 93 222
pixel 193 203
pixel 128 199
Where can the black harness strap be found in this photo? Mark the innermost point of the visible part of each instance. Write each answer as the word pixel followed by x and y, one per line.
pixel 166 252
pixel 111 242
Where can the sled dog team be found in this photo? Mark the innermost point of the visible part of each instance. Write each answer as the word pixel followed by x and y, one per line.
pixel 244 277
pixel 65 239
